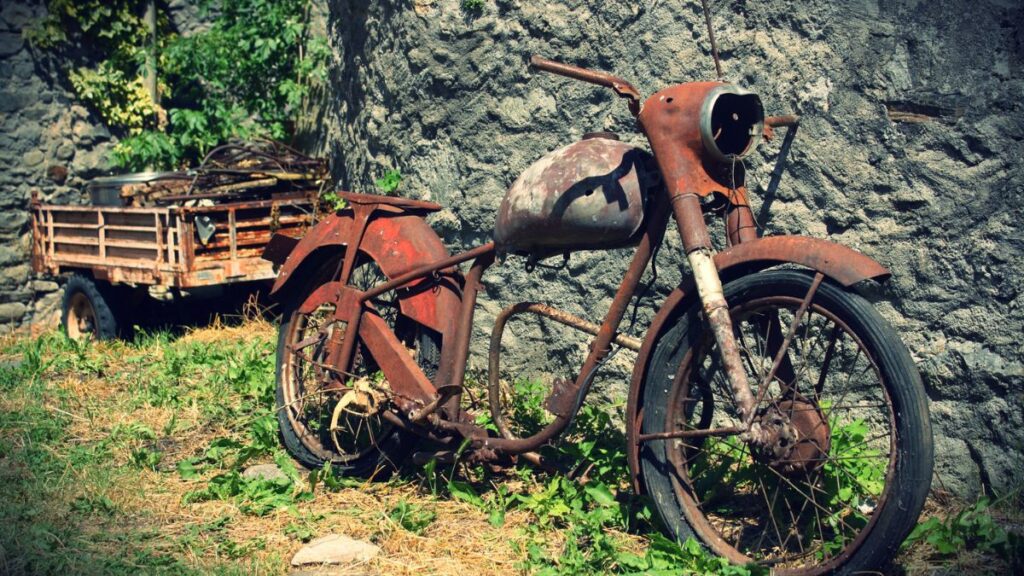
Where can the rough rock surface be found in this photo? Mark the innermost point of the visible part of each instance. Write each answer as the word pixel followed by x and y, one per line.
pixel 335 549
pixel 445 96
pixel 48 142
pixel 264 472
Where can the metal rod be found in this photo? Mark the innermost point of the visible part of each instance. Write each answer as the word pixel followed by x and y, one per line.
pixel 420 271
pixel 784 347
pixel 711 36
pixel 729 431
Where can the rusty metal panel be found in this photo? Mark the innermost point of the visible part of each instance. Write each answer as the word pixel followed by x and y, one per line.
pixel 397 243
pixel 587 195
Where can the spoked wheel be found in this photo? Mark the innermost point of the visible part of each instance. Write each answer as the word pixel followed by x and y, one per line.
pixel 322 421
pixel 845 470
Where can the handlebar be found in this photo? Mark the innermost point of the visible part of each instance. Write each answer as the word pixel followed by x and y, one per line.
pixel 787 121
pixel 621 87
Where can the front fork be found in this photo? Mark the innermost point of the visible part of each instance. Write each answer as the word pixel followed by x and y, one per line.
pixel 689 217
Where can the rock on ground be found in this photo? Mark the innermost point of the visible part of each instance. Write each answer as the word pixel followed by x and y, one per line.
pixel 265 472
pixel 335 549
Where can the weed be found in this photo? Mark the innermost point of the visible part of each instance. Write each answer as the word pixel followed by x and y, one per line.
pixel 388 183
pixel 146 458
pixel 972 528
pixel 473 5
pixel 332 201
pixel 412 517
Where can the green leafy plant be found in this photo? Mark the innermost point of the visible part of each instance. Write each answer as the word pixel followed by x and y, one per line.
pixel 246 75
pixel 412 517
pixel 972 528
pixel 332 201
pixel 388 183
pixel 473 5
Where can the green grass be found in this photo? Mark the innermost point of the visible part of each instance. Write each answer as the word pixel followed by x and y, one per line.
pixel 127 458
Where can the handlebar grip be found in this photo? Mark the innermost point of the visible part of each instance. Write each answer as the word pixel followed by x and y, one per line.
pixel 782 121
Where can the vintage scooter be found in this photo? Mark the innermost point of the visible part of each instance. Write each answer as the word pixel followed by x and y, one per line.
pixel 773 414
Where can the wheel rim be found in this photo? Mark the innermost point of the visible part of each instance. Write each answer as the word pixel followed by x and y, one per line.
pixel 81 322
pixel 311 398
pixel 749 509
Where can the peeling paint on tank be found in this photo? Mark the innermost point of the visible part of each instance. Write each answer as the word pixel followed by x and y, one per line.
pixel 590 194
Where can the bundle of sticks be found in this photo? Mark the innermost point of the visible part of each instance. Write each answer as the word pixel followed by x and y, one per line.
pixel 253 170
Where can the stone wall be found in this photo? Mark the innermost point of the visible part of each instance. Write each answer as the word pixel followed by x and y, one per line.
pixel 48 142
pixel 446 97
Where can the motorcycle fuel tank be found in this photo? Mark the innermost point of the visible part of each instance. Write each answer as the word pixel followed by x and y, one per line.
pixel 588 195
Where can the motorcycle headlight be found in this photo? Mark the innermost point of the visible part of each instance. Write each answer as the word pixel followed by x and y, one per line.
pixel 731 122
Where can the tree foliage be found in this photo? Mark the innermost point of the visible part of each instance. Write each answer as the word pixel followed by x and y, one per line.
pixel 245 75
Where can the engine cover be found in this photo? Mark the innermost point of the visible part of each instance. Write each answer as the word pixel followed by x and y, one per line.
pixel 587 195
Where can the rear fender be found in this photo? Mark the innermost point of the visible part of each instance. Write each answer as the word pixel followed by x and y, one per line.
pixel 837 262
pixel 398 243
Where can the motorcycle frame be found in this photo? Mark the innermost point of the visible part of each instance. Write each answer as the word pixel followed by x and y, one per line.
pixel 678 151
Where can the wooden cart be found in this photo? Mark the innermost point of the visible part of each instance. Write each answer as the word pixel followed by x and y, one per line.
pixel 107 251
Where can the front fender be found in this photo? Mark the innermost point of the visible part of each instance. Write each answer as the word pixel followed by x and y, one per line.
pixel 837 262
pixel 397 243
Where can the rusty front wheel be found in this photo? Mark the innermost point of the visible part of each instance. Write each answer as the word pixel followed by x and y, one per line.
pixel 843 477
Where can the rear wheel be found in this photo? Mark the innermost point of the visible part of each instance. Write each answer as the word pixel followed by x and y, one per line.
pixel 321 422
pixel 843 480
pixel 85 312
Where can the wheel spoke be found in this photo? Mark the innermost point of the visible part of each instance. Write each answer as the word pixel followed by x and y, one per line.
pixel 788 507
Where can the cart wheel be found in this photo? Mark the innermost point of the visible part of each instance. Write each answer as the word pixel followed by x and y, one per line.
pixel 85 312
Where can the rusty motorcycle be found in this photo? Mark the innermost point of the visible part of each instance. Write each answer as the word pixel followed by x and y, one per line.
pixel 773 414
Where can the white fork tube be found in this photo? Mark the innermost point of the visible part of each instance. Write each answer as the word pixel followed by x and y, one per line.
pixel 709 287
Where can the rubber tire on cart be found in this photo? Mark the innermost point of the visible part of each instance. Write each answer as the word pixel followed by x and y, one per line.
pixel 85 312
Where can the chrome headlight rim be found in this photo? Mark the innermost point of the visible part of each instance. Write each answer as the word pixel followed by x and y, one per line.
pixel 706 122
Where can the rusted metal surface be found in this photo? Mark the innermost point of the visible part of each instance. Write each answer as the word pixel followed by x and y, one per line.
pixel 564 394
pixel 840 263
pixel 801 438
pixel 397 242
pixel 726 431
pixel 837 262
pixel 453 357
pixel 716 314
pixel 621 87
pixel 783 348
pixel 711 38
pixel 590 194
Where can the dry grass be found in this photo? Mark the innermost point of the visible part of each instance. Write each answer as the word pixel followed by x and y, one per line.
pixel 96 405
pixel 99 393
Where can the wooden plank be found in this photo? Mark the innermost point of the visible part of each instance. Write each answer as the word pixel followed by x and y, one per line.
pixel 159 239
pixel 49 230
pixel 103 236
pixel 77 241
pixel 133 228
pixel 233 234
pixel 76 226
pixel 93 260
pixel 109 210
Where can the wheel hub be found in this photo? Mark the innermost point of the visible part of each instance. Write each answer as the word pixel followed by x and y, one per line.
pixel 797 437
